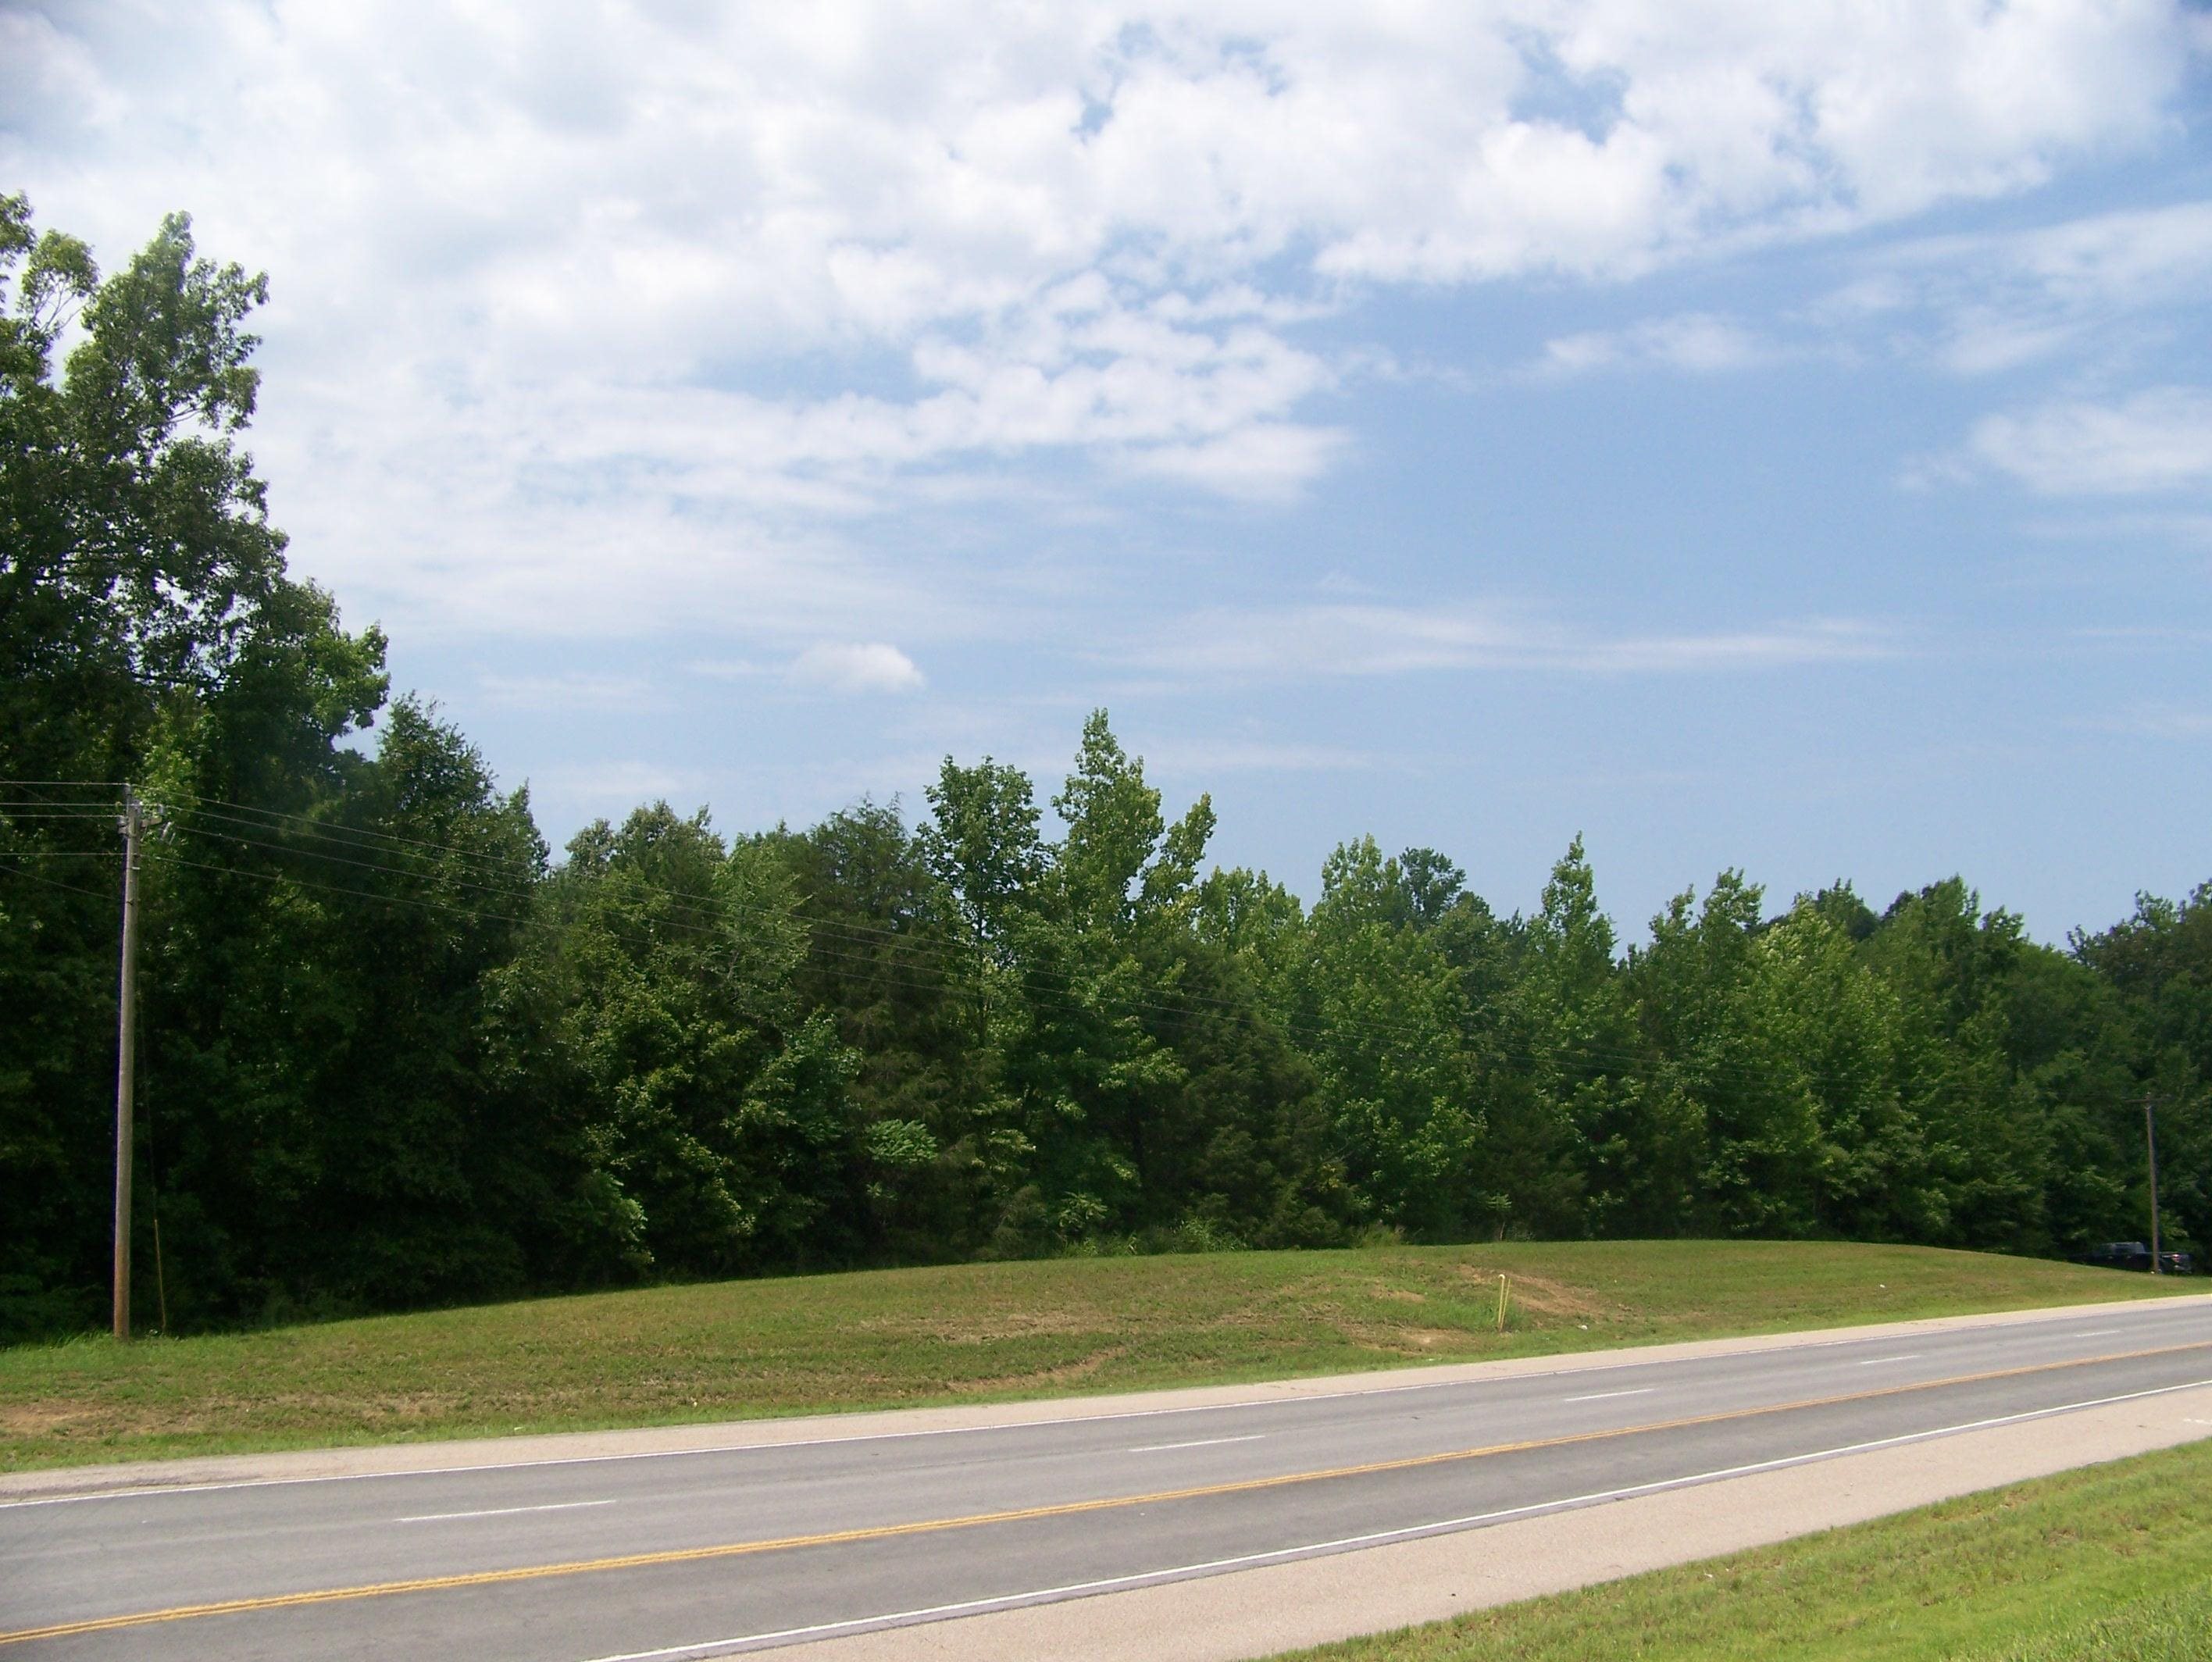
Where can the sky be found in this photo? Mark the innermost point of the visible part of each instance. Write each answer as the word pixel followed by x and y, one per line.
pixel 1754 436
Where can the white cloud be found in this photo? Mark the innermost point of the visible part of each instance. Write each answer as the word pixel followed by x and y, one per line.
pixel 2157 440
pixel 1995 302
pixel 571 692
pixel 860 667
pixel 611 789
pixel 1206 757
pixel 1263 461
pixel 2181 528
pixel 2155 720
pixel 1695 341
pixel 1370 640
pixel 587 315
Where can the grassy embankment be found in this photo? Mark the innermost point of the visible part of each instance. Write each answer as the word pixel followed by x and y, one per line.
pixel 2112 1563
pixel 970 1332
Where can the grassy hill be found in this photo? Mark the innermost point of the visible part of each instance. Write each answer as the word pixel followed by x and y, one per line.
pixel 966 1332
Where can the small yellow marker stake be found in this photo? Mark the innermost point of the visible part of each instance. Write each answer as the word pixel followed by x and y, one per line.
pixel 1501 1303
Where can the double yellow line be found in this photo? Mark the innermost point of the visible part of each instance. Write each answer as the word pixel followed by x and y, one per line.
pixel 1024 1514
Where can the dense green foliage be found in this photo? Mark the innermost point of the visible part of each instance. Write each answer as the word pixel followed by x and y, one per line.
pixel 394 1053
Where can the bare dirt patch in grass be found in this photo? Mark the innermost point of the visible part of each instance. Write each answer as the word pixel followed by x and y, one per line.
pixel 1541 1295
pixel 1043 1380
pixel 41 1419
pixel 1390 1295
pixel 997 1328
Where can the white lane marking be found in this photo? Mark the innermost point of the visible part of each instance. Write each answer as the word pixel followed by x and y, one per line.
pixel 503 1512
pixel 2100 1333
pixel 1875 1362
pixel 1760 1345
pixel 1203 1442
pixel 1602 1395
pixel 706 1647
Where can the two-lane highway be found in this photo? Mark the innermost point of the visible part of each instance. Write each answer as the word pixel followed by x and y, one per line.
pixel 750 1546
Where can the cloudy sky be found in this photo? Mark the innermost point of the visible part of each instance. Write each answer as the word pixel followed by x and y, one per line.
pixel 1773 436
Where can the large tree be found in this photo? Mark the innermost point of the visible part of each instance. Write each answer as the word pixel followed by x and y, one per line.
pixel 148 627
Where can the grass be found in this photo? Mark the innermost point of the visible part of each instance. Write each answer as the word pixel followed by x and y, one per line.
pixel 2111 1563
pixel 969 1332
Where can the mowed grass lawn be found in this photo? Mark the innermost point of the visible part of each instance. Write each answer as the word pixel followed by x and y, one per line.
pixel 968 1332
pixel 2112 1563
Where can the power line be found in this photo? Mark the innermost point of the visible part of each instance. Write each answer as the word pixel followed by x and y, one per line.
pixel 210 807
pixel 340 859
pixel 1581 1058
pixel 558 927
pixel 852 932
pixel 944 952
pixel 948 957
pixel 74 888
pixel 874 968
pixel 1067 996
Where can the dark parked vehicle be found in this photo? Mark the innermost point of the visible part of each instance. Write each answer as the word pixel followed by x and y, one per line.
pixel 2135 1255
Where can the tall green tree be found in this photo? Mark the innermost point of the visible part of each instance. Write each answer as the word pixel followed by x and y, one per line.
pixel 1381 1007
pixel 1948 961
pixel 312 987
pixel 1554 1057
pixel 2159 962
pixel 892 958
pixel 148 627
pixel 698 1119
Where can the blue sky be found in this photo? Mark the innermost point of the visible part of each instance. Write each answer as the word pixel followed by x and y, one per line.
pixel 1754 436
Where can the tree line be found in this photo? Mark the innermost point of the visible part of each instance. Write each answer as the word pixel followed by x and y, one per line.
pixel 395 1053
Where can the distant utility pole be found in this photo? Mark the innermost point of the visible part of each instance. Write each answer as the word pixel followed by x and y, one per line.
pixel 2150 1145
pixel 126 1059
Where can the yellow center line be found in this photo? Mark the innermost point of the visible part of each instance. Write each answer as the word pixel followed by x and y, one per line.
pixel 1023 1514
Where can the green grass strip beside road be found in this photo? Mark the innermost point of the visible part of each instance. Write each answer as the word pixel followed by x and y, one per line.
pixel 962 1333
pixel 2112 1563
pixel 2176 1627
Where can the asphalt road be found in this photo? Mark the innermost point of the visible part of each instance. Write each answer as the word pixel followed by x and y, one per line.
pixel 668 1556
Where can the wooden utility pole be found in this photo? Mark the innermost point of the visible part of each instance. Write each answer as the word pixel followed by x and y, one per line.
pixel 126 1059
pixel 2150 1145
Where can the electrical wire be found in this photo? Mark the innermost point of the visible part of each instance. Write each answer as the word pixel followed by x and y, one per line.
pixel 947 957
pixel 212 808
pixel 872 969
pixel 1588 1059
pixel 1065 998
pixel 870 965
pixel 74 888
pixel 950 957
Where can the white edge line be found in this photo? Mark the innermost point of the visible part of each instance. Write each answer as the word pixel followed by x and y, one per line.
pixel 147 1490
pixel 1876 1361
pixel 1603 1396
pixel 1203 1442
pixel 708 1648
pixel 504 1512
